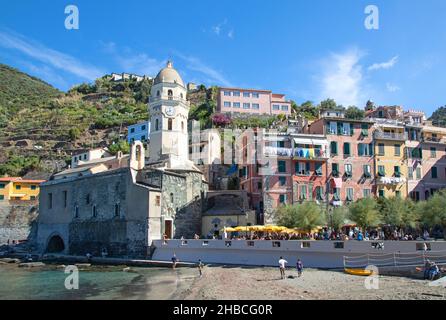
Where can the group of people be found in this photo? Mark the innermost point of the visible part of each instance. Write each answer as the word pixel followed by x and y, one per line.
pixel 352 233
pixel 431 270
pixel 200 264
pixel 282 267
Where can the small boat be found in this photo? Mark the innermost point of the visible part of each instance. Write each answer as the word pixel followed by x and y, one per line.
pixel 358 272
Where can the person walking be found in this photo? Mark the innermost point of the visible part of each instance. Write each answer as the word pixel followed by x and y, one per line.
pixel 300 267
pixel 282 266
pixel 200 267
pixel 174 261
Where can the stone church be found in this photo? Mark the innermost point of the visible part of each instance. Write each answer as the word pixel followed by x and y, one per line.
pixel 121 205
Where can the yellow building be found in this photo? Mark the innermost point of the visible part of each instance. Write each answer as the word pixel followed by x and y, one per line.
pixel 390 165
pixel 12 188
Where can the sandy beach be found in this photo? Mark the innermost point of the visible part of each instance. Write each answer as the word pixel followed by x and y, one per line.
pixel 236 283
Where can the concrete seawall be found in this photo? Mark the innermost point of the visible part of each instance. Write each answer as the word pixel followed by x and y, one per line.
pixel 314 254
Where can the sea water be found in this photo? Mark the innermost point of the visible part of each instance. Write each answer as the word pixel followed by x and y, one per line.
pixel 101 283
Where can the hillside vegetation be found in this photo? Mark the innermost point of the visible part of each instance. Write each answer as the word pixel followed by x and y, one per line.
pixel 41 126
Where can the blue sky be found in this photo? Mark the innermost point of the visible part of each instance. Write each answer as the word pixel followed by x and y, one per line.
pixel 308 50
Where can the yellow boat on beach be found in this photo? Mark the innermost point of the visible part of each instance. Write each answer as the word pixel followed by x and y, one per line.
pixel 358 272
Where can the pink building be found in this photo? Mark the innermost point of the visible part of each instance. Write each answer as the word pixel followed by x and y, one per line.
pixel 236 100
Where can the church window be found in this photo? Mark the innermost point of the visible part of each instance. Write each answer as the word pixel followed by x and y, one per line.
pixel 76 211
pixel 182 125
pixel 157 201
pixel 169 124
pixel 117 210
pixel 170 94
pixel 156 125
pixel 158 93
pixel 171 198
pixel 95 211
pixel 181 95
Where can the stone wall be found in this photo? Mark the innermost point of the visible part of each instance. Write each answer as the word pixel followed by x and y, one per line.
pixel 93 236
pixel 17 220
pixel 103 211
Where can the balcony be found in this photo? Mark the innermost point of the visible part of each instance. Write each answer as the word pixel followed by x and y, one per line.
pixel 305 153
pixel 434 139
pixel 171 99
pixel 391 180
pixel 279 152
pixel 390 136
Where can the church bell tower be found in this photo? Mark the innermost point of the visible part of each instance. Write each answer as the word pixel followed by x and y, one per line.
pixel 169 112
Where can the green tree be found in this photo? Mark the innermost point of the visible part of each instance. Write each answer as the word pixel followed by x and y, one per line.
pixel 330 104
pixel 306 216
pixel 354 113
pixel 120 145
pixel 337 217
pixel 365 213
pixel 74 134
pixel 433 211
pixel 398 212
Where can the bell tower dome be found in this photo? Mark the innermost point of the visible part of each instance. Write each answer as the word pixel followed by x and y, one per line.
pixel 169 112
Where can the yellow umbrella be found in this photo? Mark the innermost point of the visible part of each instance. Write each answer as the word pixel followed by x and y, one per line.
pixel 256 228
pixel 229 229
pixel 274 228
pixel 241 229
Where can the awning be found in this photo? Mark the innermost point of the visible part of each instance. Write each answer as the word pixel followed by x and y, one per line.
pixel 309 141
pixel 337 182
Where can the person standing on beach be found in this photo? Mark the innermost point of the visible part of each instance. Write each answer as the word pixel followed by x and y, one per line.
pixel 300 267
pixel 200 267
pixel 282 266
pixel 174 261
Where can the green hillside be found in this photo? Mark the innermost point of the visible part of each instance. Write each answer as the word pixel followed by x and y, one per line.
pixel 40 126
pixel 438 118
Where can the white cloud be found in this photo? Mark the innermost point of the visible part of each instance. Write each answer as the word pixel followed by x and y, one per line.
pixel 221 29
pixel 211 76
pixel 341 78
pixel 384 65
pixel 392 88
pixel 50 57
pixel 216 30
pixel 133 62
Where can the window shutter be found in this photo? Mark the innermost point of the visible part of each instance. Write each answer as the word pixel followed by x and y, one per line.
pixel 361 149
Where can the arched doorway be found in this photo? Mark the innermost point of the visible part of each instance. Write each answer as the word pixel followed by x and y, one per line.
pixel 55 245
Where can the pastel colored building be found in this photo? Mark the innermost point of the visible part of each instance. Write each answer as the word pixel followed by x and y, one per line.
pixel 294 170
pixel 433 168
pixel 390 165
pixel 350 173
pixel 237 100
pixel 138 132
pixel 16 188
pixel 83 156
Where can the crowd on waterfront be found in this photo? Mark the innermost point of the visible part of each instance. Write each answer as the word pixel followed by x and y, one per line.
pixel 353 233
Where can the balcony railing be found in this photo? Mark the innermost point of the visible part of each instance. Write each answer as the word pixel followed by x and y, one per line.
pixel 390 136
pixel 303 153
pixel 276 151
pixel 168 98
pixel 434 139
pixel 391 180
pixel 309 153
